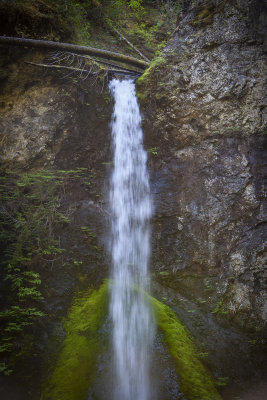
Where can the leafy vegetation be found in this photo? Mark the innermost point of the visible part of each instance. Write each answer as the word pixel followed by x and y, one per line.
pixel 29 214
pixel 153 150
pixel 143 83
pixel 146 23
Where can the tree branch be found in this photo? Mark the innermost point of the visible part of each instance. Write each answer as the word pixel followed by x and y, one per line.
pixel 73 48
pixel 59 67
pixel 114 71
pixel 128 42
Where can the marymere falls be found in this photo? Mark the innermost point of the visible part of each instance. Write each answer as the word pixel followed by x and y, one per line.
pixel 132 199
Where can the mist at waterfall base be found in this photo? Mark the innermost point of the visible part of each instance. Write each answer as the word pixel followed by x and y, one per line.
pixel 136 365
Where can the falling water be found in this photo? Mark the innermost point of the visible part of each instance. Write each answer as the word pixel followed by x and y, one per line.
pixel 131 210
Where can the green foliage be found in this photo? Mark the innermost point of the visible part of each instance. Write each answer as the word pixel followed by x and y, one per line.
pixel 77 263
pixel 88 233
pixel 201 301
pixel 29 213
pixel 202 355
pixel 76 363
pixel 222 381
pixel 153 23
pixel 52 250
pixel 146 24
pixel 75 14
pixel 164 273
pixel 135 5
pixel 63 218
pixel 153 150
pixel 4 368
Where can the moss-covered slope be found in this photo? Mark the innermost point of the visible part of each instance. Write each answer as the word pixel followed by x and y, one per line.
pixel 76 364
pixel 196 382
pixel 74 371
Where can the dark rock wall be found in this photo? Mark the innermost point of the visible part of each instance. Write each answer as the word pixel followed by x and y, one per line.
pixel 205 111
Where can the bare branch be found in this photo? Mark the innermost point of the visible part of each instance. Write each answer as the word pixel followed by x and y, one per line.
pixel 129 43
pixel 81 70
pixel 58 67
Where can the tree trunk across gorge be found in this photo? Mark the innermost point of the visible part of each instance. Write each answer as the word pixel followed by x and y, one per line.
pixel 50 45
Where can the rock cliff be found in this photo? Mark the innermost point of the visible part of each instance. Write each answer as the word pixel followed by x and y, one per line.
pixel 205 111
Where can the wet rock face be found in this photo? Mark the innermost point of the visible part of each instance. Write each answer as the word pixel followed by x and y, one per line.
pixel 47 119
pixel 209 221
pixel 205 111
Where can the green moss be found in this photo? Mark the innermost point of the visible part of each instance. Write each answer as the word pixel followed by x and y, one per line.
pixel 157 62
pixel 143 83
pixel 74 371
pixel 76 364
pixel 196 381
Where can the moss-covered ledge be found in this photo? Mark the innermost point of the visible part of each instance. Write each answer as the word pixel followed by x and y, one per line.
pixel 77 361
pixel 76 365
pixel 146 80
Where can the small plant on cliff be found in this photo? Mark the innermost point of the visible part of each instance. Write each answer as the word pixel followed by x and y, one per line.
pixel 219 308
pixel 153 150
pixel 28 212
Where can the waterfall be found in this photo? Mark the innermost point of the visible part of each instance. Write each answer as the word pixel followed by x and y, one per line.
pixel 130 203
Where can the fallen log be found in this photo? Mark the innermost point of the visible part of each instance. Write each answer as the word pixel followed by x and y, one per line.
pixel 136 72
pixel 74 48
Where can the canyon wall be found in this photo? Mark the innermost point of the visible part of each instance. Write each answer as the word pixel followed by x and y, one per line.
pixel 205 118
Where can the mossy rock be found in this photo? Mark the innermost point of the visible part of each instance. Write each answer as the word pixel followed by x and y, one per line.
pixel 196 381
pixel 76 365
pixel 77 362
pixel 144 82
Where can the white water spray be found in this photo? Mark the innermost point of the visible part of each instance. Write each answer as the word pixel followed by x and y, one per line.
pixel 130 203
